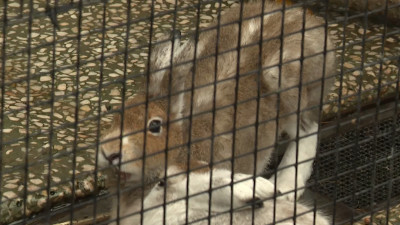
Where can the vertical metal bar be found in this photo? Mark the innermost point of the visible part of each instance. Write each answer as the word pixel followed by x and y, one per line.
pixel 3 86
pixel 152 8
pixel 27 136
pixel 196 41
pixel 21 8
pixel 99 91
pixel 168 109
pixel 358 108
pixel 51 128
pixel 278 96
pixel 122 112
pixel 377 109
pixel 395 118
pixel 235 102
pixel 76 113
pixel 338 115
pixel 259 80
pixel 298 115
pixel 394 136
pixel 211 165
pixel 321 105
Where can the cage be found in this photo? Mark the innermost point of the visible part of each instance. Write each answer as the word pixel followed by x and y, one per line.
pixel 71 68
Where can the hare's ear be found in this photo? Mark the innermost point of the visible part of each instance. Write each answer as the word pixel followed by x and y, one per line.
pixel 179 105
pixel 160 62
pixel 162 51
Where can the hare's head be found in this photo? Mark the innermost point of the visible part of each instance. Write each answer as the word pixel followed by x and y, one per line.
pixel 140 135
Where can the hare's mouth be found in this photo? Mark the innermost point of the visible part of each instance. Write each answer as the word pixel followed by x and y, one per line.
pixel 124 176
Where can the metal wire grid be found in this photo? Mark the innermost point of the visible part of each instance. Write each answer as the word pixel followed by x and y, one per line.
pixel 354 166
pixel 52 12
pixel 363 174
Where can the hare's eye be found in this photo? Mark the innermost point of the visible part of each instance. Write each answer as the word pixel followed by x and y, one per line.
pixel 155 126
pixel 161 183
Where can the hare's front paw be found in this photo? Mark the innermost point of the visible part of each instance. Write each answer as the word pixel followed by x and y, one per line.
pixel 243 188
pixel 287 189
pixel 244 193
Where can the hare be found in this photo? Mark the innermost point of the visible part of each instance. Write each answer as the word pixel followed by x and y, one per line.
pixel 174 190
pixel 207 101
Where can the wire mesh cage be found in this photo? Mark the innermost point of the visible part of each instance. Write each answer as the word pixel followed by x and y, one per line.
pixel 199 112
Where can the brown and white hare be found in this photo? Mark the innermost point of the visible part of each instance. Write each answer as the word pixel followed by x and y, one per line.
pixel 174 190
pixel 228 107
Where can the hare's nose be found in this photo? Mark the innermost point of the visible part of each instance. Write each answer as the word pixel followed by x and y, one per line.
pixel 113 157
